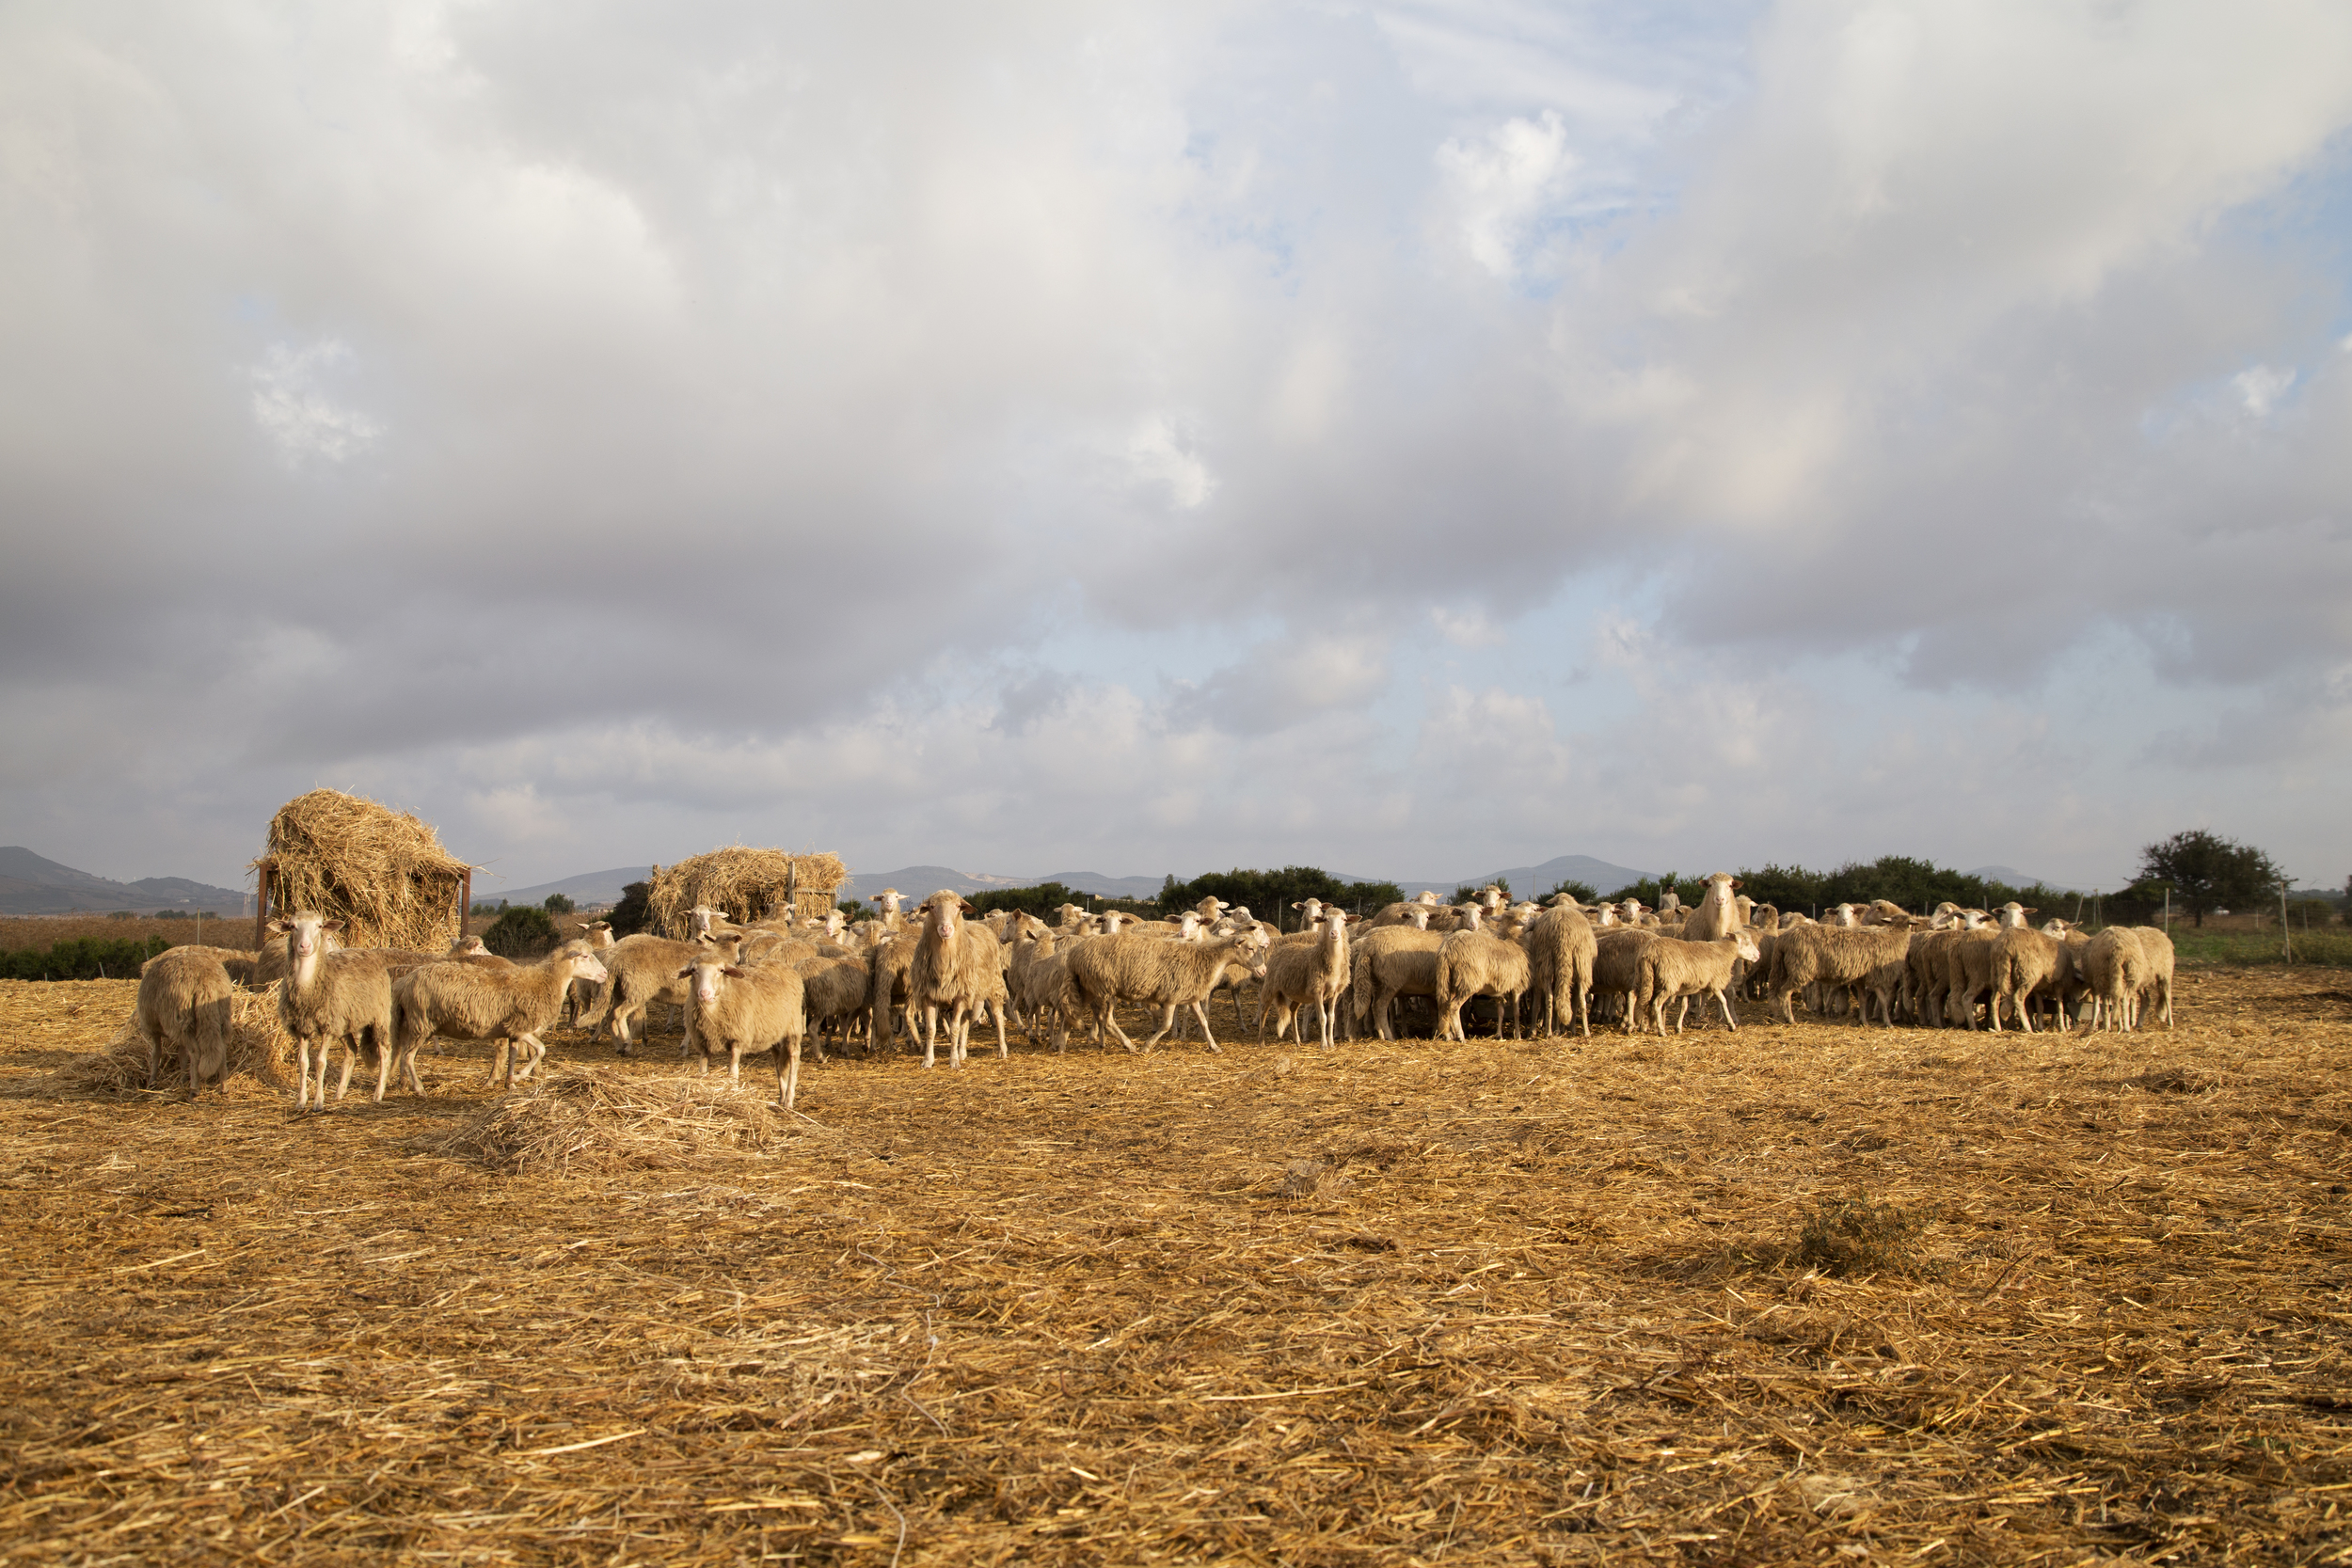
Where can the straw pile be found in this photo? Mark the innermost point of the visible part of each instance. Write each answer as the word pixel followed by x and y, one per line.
pixel 746 883
pixel 380 871
pixel 260 1056
pixel 1534 1303
pixel 594 1120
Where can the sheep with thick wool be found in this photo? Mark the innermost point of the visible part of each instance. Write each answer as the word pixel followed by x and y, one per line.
pixel 1831 956
pixel 183 1011
pixel 465 1002
pixel 1313 973
pixel 744 1010
pixel 1172 975
pixel 1561 950
pixel 957 966
pixel 1670 969
pixel 1472 964
pixel 330 995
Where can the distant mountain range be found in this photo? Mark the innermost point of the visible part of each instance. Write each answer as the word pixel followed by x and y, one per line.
pixel 31 885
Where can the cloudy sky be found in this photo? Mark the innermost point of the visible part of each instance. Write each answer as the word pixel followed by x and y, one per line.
pixel 1410 438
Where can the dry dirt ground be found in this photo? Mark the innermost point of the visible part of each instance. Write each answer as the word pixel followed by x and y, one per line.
pixel 1816 1294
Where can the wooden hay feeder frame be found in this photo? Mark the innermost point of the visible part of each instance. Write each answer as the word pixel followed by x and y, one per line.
pixel 383 872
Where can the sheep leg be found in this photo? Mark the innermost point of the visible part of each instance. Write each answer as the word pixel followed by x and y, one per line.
pixel 538 1053
pixel 1724 1001
pixel 930 1034
pixel 1004 1052
pixel 1201 1011
pixel 789 1073
pixel 343 1085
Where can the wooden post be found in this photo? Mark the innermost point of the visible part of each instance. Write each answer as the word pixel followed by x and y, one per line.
pixel 465 903
pixel 261 904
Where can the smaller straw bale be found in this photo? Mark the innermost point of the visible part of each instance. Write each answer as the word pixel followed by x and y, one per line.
pixel 593 1120
pixel 743 884
pixel 259 1048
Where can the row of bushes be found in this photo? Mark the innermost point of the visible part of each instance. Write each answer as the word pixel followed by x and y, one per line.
pixel 81 958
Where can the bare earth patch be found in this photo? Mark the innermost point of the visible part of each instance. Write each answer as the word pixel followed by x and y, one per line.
pixel 1825 1293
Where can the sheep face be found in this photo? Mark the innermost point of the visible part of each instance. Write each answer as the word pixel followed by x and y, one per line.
pixel 1747 949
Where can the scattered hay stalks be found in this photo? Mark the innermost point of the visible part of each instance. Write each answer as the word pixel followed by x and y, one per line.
pixel 1856 1236
pixel 594 1120
pixel 382 872
pixel 261 1054
pixel 746 883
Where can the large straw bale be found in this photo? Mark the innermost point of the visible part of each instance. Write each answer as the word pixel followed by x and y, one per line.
pixel 590 1119
pixel 383 872
pixel 746 883
pixel 261 1052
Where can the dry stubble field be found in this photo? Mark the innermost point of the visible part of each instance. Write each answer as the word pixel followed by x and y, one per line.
pixel 1550 1302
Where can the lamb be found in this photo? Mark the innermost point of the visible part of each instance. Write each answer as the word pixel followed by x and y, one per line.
pixel 1832 956
pixel 1392 961
pixel 1315 973
pixel 1669 969
pixel 1560 950
pixel 745 1011
pixel 642 970
pixel 957 965
pixel 328 996
pixel 184 1008
pixel 598 935
pixel 1169 975
pixel 465 1001
pixel 1474 963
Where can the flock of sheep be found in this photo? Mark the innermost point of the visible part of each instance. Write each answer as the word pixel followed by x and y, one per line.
pixel 772 985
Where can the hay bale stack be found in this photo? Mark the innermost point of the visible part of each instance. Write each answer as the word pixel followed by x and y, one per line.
pixel 381 872
pixel 260 1051
pixel 747 883
pixel 590 1120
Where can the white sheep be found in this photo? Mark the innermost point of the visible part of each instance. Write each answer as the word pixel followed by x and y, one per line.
pixel 957 964
pixel 1314 974
pixel 745 1011
pixel 1669 968
pixel 1171 976
pixel 1472 963
pixel 465 1002
pixel 330 995
pixel 184 1008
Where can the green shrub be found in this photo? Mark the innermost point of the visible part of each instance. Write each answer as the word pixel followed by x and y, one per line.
pixel 1269 894
pixel 522 932
pixel 557 903
pixel 81 958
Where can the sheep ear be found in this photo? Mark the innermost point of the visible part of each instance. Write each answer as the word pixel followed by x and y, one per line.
pixel 684 972
pixel 337 925
pixel 732 971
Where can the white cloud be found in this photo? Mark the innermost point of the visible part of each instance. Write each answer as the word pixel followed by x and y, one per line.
pixel 1502 183
pixel 1159 458
pixel 291 407
pixel 2263 388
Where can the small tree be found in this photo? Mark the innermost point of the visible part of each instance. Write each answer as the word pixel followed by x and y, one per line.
pixel 1584 893
pixel 2207 871
pixel 521 932
pixel 559 904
